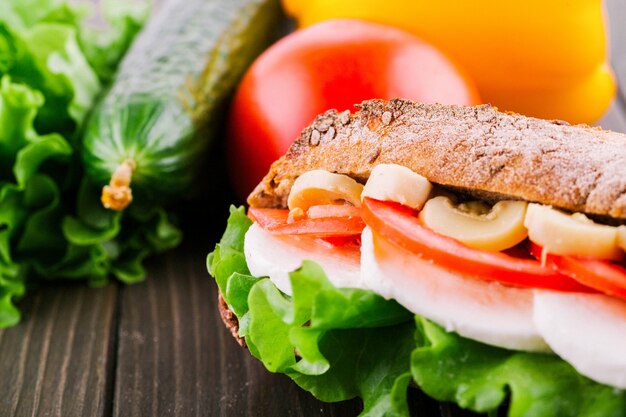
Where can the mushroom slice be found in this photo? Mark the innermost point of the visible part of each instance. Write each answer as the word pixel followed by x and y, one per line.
pixel 319 187
pixel 477 224
pixel 571 234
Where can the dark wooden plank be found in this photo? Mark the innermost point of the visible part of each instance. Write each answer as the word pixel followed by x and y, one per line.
pixel 59 360
pixel 161 341
pixel 175 357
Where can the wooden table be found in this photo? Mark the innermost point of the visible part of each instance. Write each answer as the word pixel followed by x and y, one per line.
pixel 159 348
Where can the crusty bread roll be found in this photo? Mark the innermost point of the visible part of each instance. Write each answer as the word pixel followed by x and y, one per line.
pixel 477 150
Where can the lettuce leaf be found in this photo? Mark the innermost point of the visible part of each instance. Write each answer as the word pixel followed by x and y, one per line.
pixel 345 343
pixel 349 342
pixel 93 242
pixel 51 47
pixel 25 192
pixel 21 14
pixel 103 38
pixel 480 377
pixel 48 59
pixel 53 66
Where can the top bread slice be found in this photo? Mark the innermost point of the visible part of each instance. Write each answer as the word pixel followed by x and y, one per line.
pixel 476 150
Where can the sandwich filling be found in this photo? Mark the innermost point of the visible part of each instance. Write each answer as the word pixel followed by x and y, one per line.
pixel 513 275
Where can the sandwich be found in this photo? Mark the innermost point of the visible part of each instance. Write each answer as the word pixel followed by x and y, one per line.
pixel 474 254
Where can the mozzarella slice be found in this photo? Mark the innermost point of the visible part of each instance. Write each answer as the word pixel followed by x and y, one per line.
pixel 484 311
pixel 275 256
pixel 586 330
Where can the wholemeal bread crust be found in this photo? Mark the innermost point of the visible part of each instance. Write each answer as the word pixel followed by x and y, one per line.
pixel 477 150
pixel 230 320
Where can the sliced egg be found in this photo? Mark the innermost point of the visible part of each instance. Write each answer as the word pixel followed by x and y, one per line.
pixel 586 330
pixel 275 256
pixel 484 311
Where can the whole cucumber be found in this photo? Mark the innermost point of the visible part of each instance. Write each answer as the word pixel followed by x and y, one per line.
pixel 153 125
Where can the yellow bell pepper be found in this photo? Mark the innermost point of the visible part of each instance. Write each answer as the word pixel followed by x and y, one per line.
pixel 543 58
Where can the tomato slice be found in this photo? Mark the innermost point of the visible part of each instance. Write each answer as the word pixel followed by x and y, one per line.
pixel 602 275
pixel 277 221
pixel 333 210
pixel 401 226
pixel 344 241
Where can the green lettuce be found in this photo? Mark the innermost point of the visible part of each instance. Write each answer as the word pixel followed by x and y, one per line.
pixel 103 38
pixel 480 377
pixel 342 343
pixel 49 48
pixel 93 243
pixel 53 66
pixel 332 342
pixel 25 190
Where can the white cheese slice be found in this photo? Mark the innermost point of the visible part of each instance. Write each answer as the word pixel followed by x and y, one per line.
pixel 484 311
pixel 586 330
pixel 275 256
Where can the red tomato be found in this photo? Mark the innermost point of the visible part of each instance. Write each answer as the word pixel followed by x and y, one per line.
pixel 401 226
pixel 353 242
pixel 601 275
pixel 278 221
pixel 333 210
pixel 333 64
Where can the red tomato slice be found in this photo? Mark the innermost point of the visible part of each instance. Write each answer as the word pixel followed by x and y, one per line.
pixel 277 221
pixel 344 241
pixel 333 210
pixel 401 226
pixel 604 276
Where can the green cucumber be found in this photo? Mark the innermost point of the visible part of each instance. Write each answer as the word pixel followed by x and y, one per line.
pixel 154 124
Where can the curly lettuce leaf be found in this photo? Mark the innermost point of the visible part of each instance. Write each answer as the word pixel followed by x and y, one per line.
pixel 11 287
pixel 97 242
pixel 18 108
pixel 64 75
pixel 480 377
pixel 25 191
pixel 342 343
pixel 9 49
pixel 26 13
pixel 50 46
pixel 47 58
pixel 144 232
pixel 349 342
pixel 228 260
pixel 12 284
pixel 51 71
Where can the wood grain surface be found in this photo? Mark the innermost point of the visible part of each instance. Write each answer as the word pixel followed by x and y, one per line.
pixel 58 361
pixel 158 348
